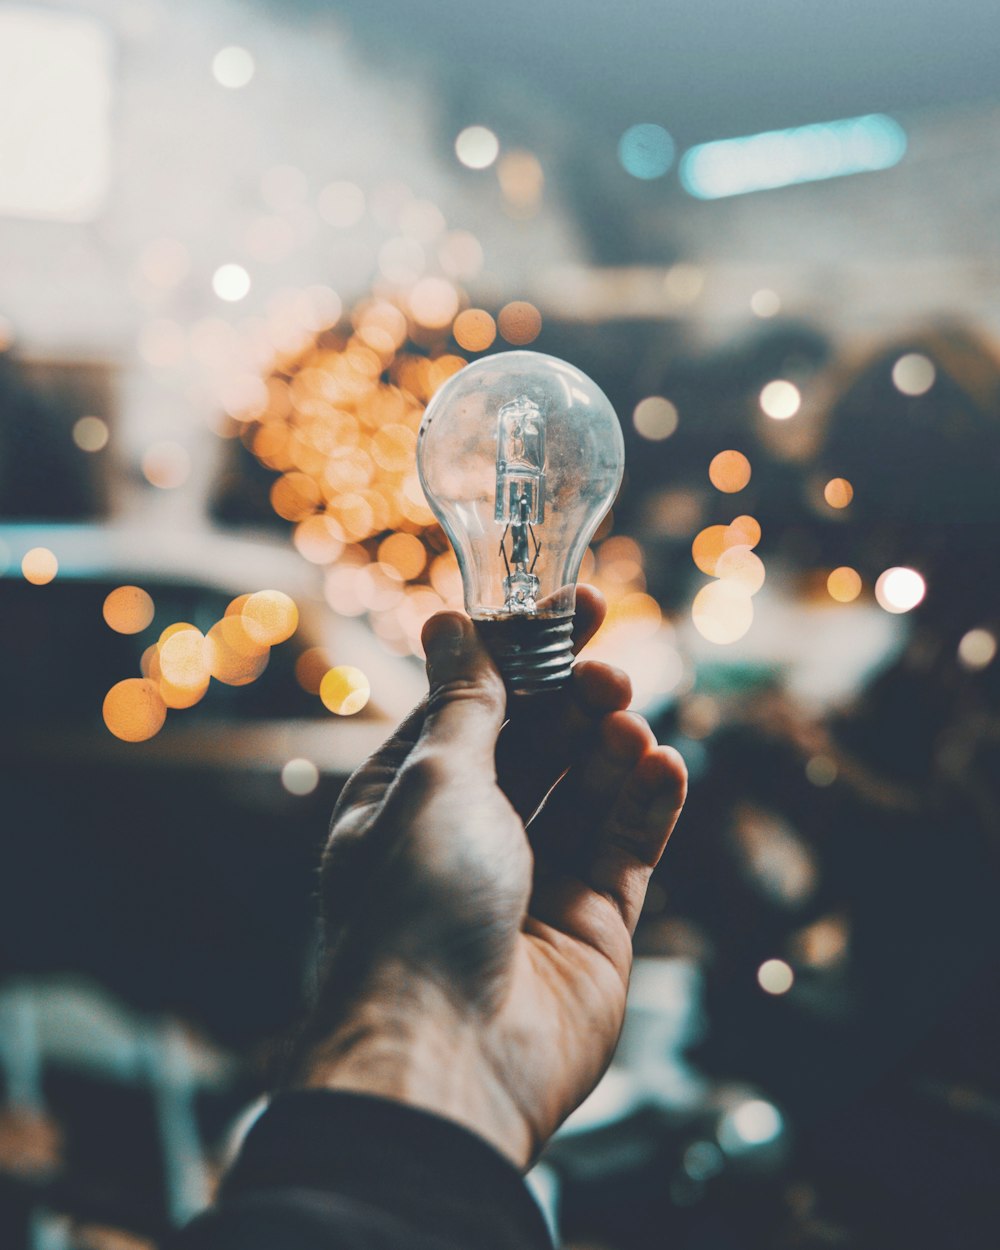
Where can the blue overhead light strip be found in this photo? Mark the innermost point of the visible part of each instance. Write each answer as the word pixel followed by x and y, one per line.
pixel 782 158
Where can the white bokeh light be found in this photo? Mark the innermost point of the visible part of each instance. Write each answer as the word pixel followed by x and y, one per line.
pixel 231 282
pixel 900 589
pixel 477 147
pixel 780 399
pixel 233 67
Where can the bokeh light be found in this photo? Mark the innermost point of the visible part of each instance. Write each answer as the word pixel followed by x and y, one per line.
pixel 311 667
pixel 646 151
pixel 655 418
pixel 231 283
pixel 185 659
pixel 134 709
pixel 477 147
pixel 780 399
pixel 434 302
pixel 128 610
pixel 838 492
pixel 729 471
pixel 844 584
pixel 520 322
pixel 91 434
pixel 300 776
pixel 39 566
pixel 765 303
pixel 345 690
pixel 235 658
pixel 233 67
pixel 900 589
pixel 741 566
pixel 722 612
pixel 708 545
pixel 270 617
pixel 474 330
pixel 977 649
pixel 166 465
pixel 341 204
pixel 742 531
pixel 774 976
pixel 913 374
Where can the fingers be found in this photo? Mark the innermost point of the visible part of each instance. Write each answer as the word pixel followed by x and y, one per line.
pixel 562 830
pixel 591 609
pixel 545 736
pixel 632 838
pixel 466 701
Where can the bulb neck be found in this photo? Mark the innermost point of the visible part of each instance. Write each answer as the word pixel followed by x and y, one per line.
pixel 533 653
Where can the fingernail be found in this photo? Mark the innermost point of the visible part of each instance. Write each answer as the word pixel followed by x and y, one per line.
pixel 446 630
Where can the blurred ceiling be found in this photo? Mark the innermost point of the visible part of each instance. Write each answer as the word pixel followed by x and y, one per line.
pixel 703 70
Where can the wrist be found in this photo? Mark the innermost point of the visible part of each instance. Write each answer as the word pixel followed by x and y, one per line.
pixel 418 1050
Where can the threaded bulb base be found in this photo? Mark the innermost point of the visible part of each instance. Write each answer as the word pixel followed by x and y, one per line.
pixel 533 653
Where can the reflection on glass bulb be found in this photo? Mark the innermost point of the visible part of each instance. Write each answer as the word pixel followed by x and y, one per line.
pixel 520 456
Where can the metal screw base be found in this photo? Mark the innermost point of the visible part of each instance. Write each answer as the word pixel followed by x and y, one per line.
pixel 533 653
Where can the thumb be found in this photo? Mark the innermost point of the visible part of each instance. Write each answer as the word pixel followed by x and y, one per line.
pixel 467 701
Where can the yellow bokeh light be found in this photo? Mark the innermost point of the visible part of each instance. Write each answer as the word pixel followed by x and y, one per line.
pixel 729 471
pixel 977 649
pixel 744 531
pixel 319 539
pixel 394 448
pixel 91 434
pixel 838 492
pixel 520 322
pixel 177 697
pixel 134 710
pixel 708 546
pixel 345 690
pixel 844 584
pixel 39 566
pixel 128 610
pixel 741 566
pixel 722 612
pixel 294 496
pixel 270 617
pixel 474 330
pixel 310 668
pixel 235 658
pixel 405 553
pixel 185 659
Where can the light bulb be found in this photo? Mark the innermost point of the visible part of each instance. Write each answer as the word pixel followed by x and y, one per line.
pixel 520 455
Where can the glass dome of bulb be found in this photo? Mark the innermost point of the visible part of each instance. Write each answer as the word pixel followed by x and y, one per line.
pixel 520 456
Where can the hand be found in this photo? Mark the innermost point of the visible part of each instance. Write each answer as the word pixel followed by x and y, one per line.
pixel 480 937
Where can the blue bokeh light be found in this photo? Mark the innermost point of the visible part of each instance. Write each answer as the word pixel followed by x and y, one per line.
pixel 646 151
pixel 781 158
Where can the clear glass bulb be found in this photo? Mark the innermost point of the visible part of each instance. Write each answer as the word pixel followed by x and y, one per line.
pixel 520 456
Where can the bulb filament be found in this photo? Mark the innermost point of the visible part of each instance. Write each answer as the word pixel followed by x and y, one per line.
pixel 520 499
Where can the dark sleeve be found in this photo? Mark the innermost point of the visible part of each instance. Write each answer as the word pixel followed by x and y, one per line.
pixel 324 1170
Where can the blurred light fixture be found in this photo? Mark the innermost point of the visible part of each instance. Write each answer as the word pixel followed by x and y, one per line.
pixel 781 158
pixel 55 105
pixel 646 151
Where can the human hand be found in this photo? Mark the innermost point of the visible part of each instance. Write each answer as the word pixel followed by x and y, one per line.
pixel 480 938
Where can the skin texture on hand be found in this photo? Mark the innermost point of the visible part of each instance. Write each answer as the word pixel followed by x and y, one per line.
pixel 481 886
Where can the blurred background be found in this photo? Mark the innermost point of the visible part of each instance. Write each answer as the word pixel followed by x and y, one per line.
pixel 243 244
